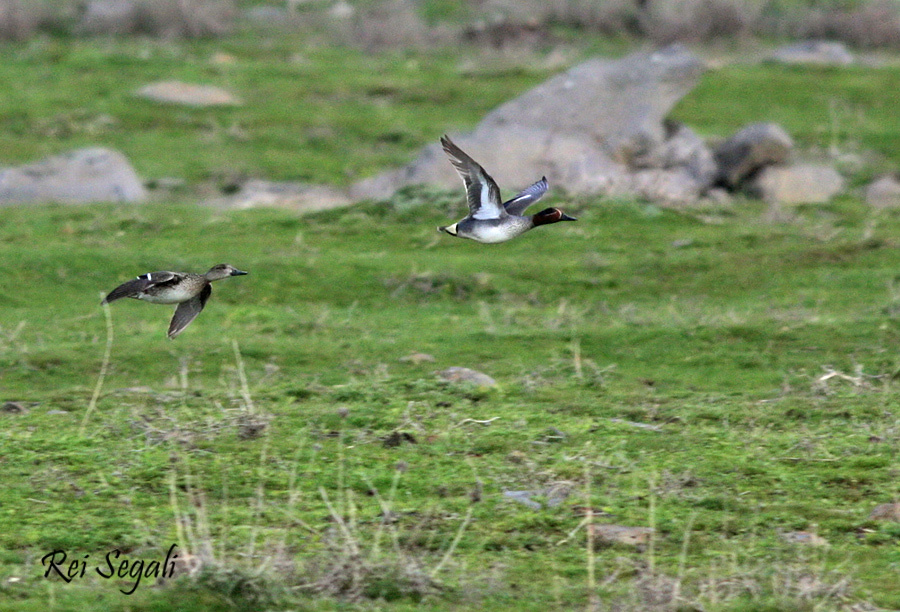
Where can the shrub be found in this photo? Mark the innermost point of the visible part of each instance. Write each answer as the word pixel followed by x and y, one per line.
pixel 165 18
pixel 20 19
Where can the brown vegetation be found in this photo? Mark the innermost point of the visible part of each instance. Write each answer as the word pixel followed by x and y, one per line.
pixel 20 19
pixel 497 23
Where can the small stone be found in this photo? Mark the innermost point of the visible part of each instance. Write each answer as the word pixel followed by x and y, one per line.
pixel 14 408
pixel 396 438
pixel 417 358
pixel 554 434
pixel 187 94
pixel 886 512
pixel 817 52
pixel 554 494
pixel 883 192
pixel 466 375
pixel 807 538
pixel 607 534
pixel 222 58
pixel 638 425
pixel 516 457
pixel 476 492
pixel 341 10
pixel 524 498
pixel 251 426
pixel 558 491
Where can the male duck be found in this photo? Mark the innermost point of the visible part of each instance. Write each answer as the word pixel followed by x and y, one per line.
pixel 490 221
pixel 190 291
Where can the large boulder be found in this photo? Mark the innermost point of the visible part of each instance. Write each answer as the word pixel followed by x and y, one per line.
pixel 601 113
pixel 83 175
pixel 748 151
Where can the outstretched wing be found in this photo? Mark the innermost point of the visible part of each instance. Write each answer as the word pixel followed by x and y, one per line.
pixel 188 311
pixel 527 197
pixel 481 191
pixel 141 284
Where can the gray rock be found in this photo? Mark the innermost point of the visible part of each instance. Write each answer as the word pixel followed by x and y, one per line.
pixel 19 19
pixel 799 184
pixel 883 192
pixel 267 14
pixel 109 17
pixel 187 94
pixel 805 538
pixel 818 52
pixel 886 512
pixel 524 497
pixel 621 103
pixel 165 18
pixel 749 150
pixel 682 148
pixel 596 117
pixel 417 358
pixel 673 187
pixel 83 175
pixel 606 535
pixel 595 173
pixel 554 495
pixel 14 408
pixel 295 196
pixel 466 375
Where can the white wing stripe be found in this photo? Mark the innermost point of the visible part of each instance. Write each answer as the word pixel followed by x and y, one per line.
pixel 487 209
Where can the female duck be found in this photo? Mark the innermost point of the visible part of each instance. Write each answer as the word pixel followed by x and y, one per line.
pixel 490 221
pixel 190 291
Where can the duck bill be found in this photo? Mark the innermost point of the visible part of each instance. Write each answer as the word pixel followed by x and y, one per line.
pixel 238 273
pixel 566 217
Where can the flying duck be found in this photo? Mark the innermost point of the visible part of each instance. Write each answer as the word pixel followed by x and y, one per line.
pixel 190 291
pixel 489 221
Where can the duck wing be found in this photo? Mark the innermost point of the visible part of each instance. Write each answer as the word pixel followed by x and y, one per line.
pixel 482 192
pixel 188 311
pixel 526 197
pixel 141 284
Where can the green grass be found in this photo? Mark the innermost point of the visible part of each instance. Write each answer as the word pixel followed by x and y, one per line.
pixel 713 326
pixel 300 119
pixel 587 329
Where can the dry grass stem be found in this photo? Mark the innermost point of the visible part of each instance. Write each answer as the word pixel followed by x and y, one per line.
pixel 453 544
pixel 593 600
pixel 242 377
pixel 104 366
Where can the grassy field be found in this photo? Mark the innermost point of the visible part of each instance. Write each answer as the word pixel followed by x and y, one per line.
pixel 724 375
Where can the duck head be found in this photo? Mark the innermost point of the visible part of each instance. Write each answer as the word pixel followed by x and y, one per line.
pixel 550 215
pixel 221 271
